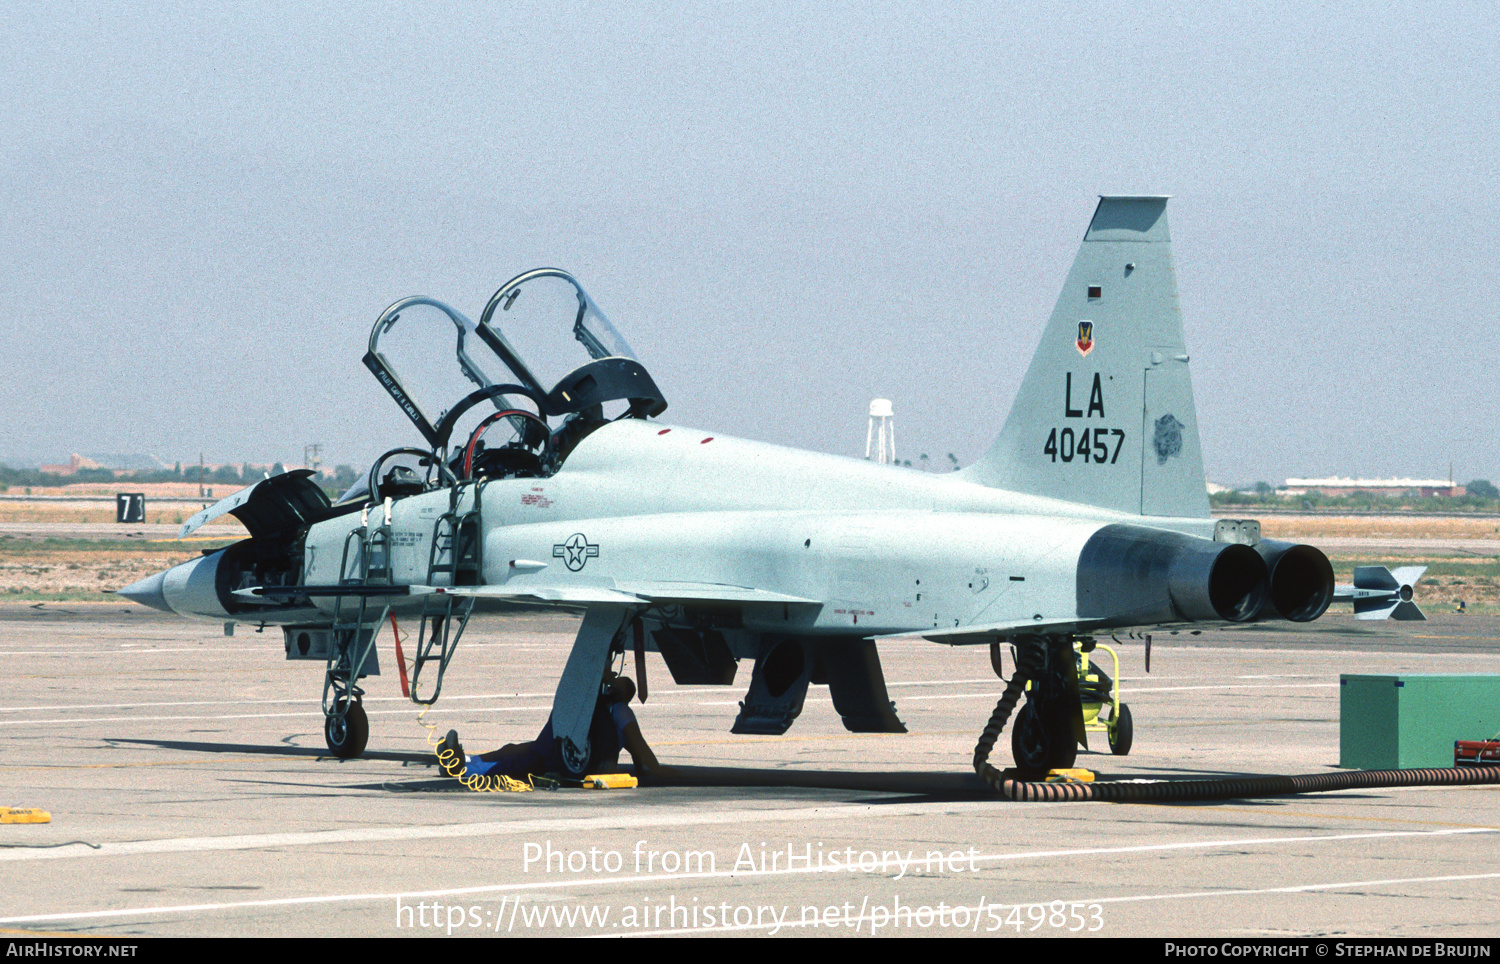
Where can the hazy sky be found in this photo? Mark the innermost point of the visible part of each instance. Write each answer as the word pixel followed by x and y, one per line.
pixel 788 209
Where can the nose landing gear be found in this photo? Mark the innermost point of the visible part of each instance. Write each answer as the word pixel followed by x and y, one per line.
pixel 347 733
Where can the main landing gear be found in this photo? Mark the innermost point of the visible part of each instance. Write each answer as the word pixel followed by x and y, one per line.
pixel 1042 740
pixel 1049 727
pixel 1045 737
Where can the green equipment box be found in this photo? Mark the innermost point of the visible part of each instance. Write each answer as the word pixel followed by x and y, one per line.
pixel 1400 722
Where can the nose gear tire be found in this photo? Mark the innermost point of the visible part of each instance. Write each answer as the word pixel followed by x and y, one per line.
pixel 346 737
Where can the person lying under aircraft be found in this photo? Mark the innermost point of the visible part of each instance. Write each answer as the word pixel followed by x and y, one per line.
pixel 613 728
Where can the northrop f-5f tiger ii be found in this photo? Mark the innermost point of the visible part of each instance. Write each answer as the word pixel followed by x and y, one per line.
pixel 1088 515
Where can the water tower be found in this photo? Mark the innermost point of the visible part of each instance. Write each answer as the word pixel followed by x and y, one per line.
pixel 881 435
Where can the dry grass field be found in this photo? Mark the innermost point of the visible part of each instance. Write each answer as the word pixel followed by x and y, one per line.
pixel 33 567
pixel 1313 527
pixel 157 511
pixel 78 569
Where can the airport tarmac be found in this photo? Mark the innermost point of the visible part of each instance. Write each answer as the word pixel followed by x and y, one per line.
pixel 191 794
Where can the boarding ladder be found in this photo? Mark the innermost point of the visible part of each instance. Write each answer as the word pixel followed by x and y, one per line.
pixel 366 562
pixel 455 558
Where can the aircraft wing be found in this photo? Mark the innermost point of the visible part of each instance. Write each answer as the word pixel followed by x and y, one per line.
pixel 987 632
pixel 577 595
pixel 709 592
pixel 628 593
pixel 585 595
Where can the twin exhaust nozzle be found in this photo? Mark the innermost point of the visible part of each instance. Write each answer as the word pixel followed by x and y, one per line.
pixel 1299 578
pixel 1130 574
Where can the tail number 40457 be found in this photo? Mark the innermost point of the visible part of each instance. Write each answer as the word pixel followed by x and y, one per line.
pixel 1086 445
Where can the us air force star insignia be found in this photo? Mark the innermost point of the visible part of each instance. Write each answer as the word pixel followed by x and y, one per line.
pixel 576 552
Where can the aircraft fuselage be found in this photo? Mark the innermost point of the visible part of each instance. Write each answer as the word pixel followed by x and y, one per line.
pixel 643 506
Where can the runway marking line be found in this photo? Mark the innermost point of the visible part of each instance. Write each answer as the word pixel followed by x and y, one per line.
pixel 1323 816
pixel 502 709
pixel 817 738
pixel 297 699
pixel 251 716
pixel 1421 636
pixel 614 824
pixel 105 766
pixel 17 932
pixel 1304 888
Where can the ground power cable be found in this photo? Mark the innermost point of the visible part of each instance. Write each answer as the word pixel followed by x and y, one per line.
pixel 1029 660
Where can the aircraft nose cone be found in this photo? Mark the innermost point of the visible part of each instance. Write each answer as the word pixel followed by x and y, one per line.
pixel 148 592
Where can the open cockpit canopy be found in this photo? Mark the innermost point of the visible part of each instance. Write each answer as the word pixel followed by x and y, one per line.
pixel 529 323
pixel 542 355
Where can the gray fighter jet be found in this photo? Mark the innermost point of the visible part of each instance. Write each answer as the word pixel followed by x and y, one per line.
pixel 1087 516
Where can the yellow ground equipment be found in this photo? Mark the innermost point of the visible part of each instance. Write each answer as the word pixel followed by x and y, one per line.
pixel 1099 689
pixel 1071 775
pixel 24 815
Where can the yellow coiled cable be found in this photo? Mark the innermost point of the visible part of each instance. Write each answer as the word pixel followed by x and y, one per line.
pixel 478 782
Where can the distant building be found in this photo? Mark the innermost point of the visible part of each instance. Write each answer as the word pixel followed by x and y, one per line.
pixel 71 468
pixel 127 465
pixel 118 464
pixel 1441 488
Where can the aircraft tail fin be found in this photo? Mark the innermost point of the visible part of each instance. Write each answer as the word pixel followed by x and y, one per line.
pixel 1105 414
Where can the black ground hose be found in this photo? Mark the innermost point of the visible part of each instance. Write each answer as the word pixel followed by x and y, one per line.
pixel 1029 660
pixel 1238 787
